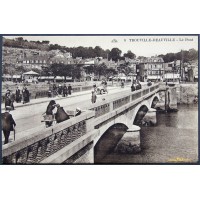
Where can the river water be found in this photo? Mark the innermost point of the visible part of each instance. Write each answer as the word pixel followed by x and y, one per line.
pixel 173 140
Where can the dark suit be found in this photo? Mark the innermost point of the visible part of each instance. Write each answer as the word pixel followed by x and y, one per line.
pixel 70 89
pixel 7 125
pixel 7 101
pixel 17 95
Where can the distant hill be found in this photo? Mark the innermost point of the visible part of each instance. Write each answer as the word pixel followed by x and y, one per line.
pixel 21 43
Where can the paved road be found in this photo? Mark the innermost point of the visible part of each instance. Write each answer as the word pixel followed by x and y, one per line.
pixel 29 117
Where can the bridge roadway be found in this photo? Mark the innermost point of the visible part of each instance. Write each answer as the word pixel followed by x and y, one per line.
pixel 29 117
pixel 74 140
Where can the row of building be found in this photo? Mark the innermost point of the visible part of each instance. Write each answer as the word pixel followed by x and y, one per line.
pixel 152 68
pixel 155 69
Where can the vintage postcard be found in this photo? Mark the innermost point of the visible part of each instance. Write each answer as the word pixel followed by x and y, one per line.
pixel 99 99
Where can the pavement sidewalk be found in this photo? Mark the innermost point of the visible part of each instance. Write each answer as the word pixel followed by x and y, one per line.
pixel 47 99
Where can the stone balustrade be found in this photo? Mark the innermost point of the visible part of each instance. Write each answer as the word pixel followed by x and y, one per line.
pixel 41 144
pixel 109 105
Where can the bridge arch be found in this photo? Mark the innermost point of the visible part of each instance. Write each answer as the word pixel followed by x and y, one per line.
pixel 108 141
pixel 154 101
pixel 106 129
pixel 142 107
pixel 140 114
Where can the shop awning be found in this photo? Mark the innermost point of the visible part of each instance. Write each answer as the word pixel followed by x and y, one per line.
pixel 153 77
pixel 171 76
pixel 16 76
pixel 7 76
pixel 60 77
pixel 31 73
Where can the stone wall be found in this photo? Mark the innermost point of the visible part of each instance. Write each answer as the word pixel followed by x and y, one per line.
pixel 186 93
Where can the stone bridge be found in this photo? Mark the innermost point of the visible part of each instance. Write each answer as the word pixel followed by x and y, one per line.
pixel 73 141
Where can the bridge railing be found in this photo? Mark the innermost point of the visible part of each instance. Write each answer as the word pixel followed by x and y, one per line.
pixel 40 144
pixel 116 102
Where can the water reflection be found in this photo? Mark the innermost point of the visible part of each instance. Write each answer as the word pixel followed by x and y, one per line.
pixel 174 139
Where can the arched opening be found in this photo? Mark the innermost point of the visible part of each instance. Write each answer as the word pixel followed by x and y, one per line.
pixel 140 114
pixel 107 143
pixel 154 102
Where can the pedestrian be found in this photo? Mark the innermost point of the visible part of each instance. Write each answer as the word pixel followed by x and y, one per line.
pixel 122 84
pixel 7 100
pixel 105 86
pixel 132 87
pixel 59 89
pixel 49 112
pixel 70 89
pixel 65 91
pixel 94 85
pixel 12 99
pixel 26 95
pixel 149 83
pixel 138 86
pixel 17 95
pixel 8 124
pixel 23 95
pixel 54 89
pixel 61 115
pixel 94 97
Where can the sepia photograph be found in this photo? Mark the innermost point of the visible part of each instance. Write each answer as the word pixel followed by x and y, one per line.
pixel 99 99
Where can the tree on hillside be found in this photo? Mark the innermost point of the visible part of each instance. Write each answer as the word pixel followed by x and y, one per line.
pixel 124 68
pixel 90 69
pixel 193 54
pixel 100 70
pixel 45 42
pixel 110 72
pixel 115 54
pixel 169 57
pixel 130 55
pixel 98 51
pixel 60 69
pixel 20 39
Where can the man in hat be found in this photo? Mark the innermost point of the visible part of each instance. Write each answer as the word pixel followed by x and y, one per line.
pixel 18 95
pixel 70 89
pixel 8 123
pixel 65 91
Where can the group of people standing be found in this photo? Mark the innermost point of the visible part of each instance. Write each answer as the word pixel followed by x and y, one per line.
pixel 18 96
pixel 136 85
pixel 61 90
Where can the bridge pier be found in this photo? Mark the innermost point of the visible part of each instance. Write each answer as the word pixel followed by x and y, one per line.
pixel 170 98
pixel 130 142
pixel 150 117
pixel 173 98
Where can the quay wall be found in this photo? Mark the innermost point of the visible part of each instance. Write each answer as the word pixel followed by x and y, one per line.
pixel 186 93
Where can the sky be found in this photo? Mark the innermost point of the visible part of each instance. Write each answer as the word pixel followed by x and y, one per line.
pixel 145 46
